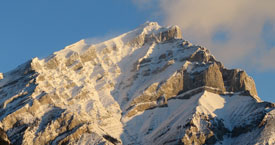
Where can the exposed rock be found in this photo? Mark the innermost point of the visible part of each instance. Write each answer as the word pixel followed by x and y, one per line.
pixel 146 96
pixel 162 101
pixel 146 60
pixel 89 55
pixel 52 63
pixel 163 35
pixel 165 90
pixel 137 41
pixel 212 77
pixel 72 57
pixel 200 56
pixel 133 110
pixel 163 56
pixel 212 131
pixel 111 139
pixel 1 76
pixel 237 80
pixel 172 33
pixel 4 138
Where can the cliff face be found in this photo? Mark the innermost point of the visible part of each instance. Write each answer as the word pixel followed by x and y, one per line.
pixel 147 86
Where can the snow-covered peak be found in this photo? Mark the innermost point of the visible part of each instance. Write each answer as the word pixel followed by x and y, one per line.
pixel 148 23
pixel 146 86
pixel 76 47
pixel 149 31
pixel 148 27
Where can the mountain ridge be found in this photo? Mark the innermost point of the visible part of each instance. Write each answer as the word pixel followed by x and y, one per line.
pixel 102 93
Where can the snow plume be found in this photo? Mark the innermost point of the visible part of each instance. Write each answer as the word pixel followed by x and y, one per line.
pixel 233 30
pixel 99 39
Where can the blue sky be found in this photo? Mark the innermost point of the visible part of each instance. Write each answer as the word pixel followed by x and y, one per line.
pixel 33 28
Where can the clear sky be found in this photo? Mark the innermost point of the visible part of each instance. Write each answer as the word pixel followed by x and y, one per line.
pixel 33 28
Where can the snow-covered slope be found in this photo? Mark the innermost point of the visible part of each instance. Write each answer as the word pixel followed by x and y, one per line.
pixel 147 86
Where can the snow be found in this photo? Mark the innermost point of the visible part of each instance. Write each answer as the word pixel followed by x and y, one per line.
pixel 155 120
pixel 180 111
pixel 96 80
pixel 97 84
pixel 100 91
pixel 224 107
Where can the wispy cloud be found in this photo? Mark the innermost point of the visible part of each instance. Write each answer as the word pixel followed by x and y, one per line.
pixel 144 4
pixel 237 23
pixel 267 60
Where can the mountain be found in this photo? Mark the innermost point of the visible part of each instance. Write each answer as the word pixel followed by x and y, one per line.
pixel 147 86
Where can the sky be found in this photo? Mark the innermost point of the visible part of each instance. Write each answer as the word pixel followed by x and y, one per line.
pixel 240 33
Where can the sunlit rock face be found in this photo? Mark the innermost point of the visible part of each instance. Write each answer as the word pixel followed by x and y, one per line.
pixel 1 76
pixel 147 86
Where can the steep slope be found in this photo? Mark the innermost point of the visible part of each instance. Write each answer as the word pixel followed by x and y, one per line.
pixel 147 86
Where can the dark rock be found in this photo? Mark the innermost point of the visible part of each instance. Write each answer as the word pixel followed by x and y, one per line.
pixel 163 36
pixel 162 101
pixel 4 138
pixel 211 77
pixel 111 139
pixel 238 81
pixel 163 56
pixel 145 60
pixel 200 56
pixel 172 33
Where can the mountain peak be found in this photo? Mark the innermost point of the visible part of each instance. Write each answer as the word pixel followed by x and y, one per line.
pixel 146 86
pixel 149 24
pixel 149 32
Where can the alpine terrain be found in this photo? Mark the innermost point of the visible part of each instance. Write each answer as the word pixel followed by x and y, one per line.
pixel 145 87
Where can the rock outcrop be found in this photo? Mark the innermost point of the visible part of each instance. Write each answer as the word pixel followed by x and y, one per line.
pixel 238 80
pixel 4 138
pixel 206 73
pixel 1 76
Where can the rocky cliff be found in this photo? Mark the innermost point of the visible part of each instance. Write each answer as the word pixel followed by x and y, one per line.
pixel 147 86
